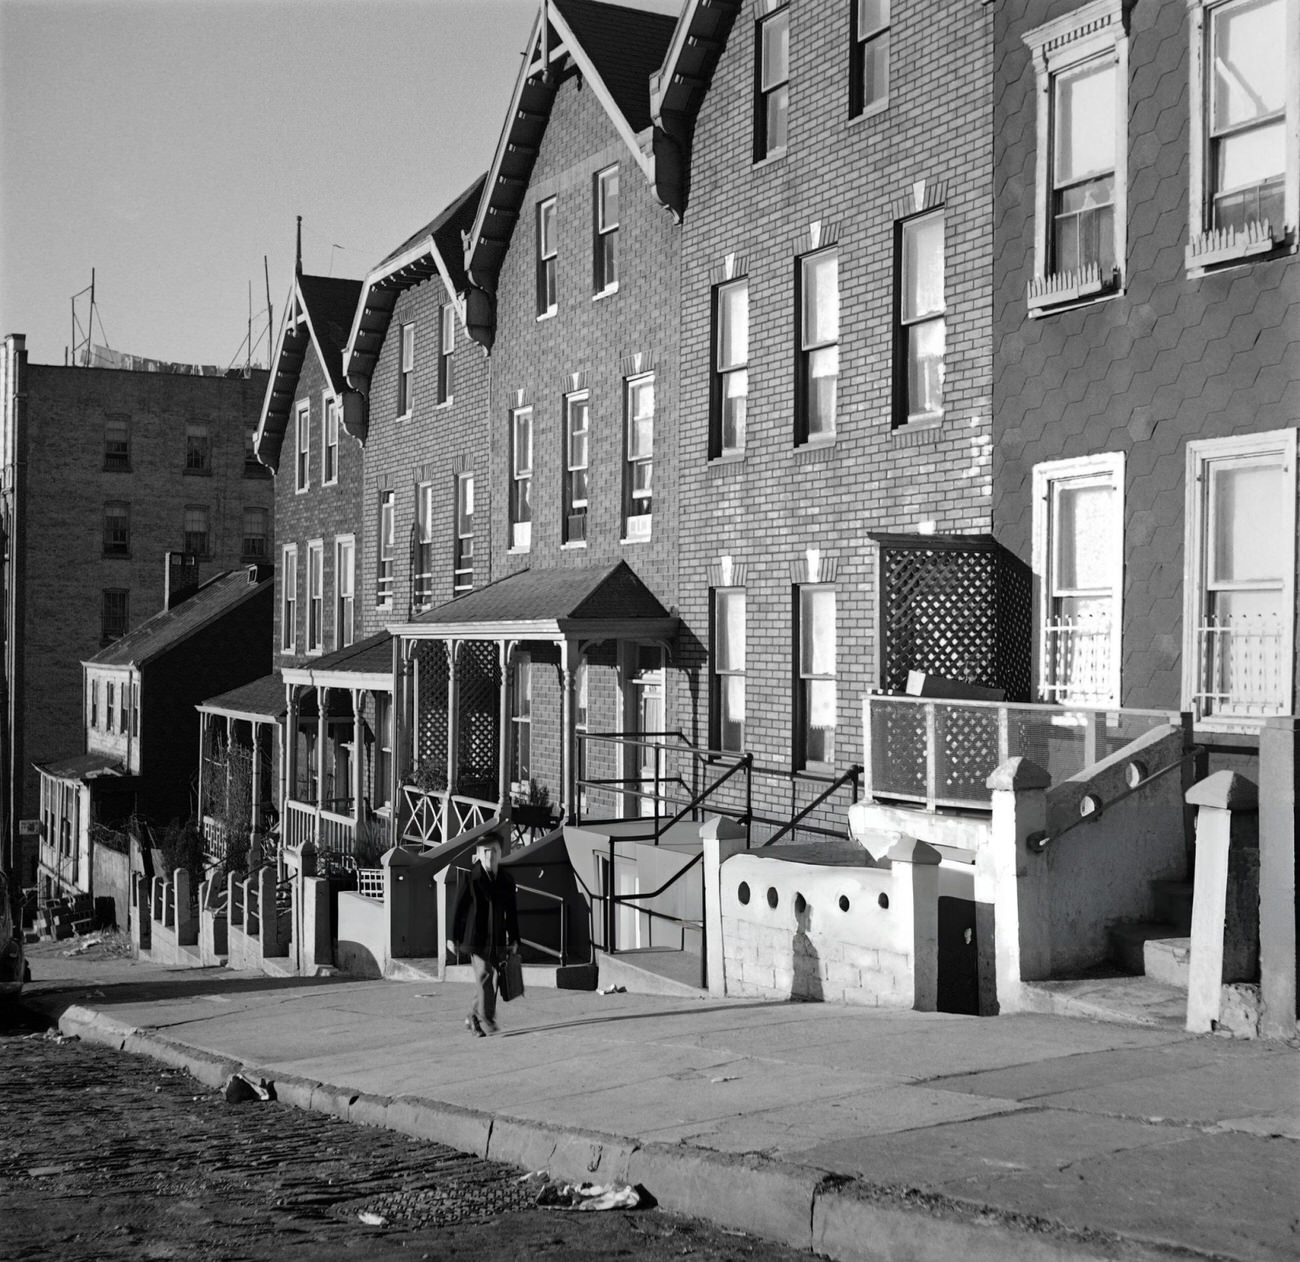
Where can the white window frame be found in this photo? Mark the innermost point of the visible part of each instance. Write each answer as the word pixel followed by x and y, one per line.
pixel 315 596
pixel 521 482
pixel 910 321
pixel 767 90
pixel 1201 455
pixel 605 245
pixel 406 370
pixel 345 590
pixel 289 598
pixel 94 704
pixel 521 721
pixel 329 440
pixel 201 438
pixel 187 534
pixel 810 347
pixel 423 593
pixel 1048 480
pixel 726 372
pixel 868 37
pixel 576 506
pixel 638 502
pixel 384 569
pixel 255 513
pixel 302 447
pixel 1207 246
pixel 548 256
pixel 1058 48
pixel 446 353
pixel 463 563
pixel 806 679
pixel 725 672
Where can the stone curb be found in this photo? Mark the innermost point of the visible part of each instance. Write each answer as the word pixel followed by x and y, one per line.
pixel 831 1215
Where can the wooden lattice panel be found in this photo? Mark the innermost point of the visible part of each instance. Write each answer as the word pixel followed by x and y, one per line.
pixel 479 691
pixel 431 705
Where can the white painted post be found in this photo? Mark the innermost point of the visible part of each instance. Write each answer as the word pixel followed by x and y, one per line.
pixel 1220 798
pixel 722 838
pixel 914 916
pixel 1014 880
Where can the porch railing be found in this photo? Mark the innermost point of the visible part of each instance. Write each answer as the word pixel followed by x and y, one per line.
pixel 941 753
pixel 433 817
pixel 328 830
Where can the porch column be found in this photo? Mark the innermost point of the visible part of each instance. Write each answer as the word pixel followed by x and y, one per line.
pixel 505 653
pixel 568 733
pixel 453 712
pixel 254 807
pixel 322 705
pixel 402 745
pixel 203 757
pixel 358 779
pixel 230 745
pixel 289 762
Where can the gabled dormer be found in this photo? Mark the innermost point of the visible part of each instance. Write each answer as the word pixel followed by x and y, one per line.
pixel 318 314
pixel 614 50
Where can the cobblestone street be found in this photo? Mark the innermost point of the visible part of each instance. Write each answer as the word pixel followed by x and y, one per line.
pixel 106 1155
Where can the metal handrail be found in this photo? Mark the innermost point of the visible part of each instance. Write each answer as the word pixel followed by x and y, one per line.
pixel 839 782
pixel 563 953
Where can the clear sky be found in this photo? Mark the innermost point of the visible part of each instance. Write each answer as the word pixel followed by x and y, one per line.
pixel 169 145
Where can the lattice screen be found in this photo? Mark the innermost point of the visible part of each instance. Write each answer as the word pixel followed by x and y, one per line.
pixel 479 684
pixel 431 704
pixel 958 606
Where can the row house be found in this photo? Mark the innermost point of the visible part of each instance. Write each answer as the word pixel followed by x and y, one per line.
pixel 1147 384
pixel 155 462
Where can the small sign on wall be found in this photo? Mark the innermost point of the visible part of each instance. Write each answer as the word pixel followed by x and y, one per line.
pixel 30 828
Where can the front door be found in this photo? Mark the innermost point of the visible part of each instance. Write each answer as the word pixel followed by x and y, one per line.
pixel 646 756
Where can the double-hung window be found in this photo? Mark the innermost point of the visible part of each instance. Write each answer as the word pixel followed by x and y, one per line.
pixel 819 345
pixel 547 258
pixel 117 529
pixel 638 490
pixel 446 350
pixel 117 445
pixel 124 707
pixel 463 573
pixel 113 614
pixel 384 570
pixel 255 534
pixel 521 724
pixel 315 596
pixel 730 393
pixel 728 656
pixel 1079 562
pixel 110 706
pixel 345 622
pixel 289 598
pixel 198 449
pixel 329 440
pixel 424 545
pixel 1245 172
pixel 94 704
pixel 869 64
pixel 406 370
pixel 302 462
pixel 921 331
pixel 1239 613
pixel 197 538
pixel 815 684
pixel 1081 66
pixel 577 464
pixel 605 263
pixel 772 86
pixel 521 479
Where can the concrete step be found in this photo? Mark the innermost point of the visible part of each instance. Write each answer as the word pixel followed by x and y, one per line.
pixel 537 976
pixel 1173 903
pixel 652 971
pixel 1168 960
pixel 1128 942
pixel 1124 1000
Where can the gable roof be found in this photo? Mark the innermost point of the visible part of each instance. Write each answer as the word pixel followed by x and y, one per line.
pixel 172 627
pixel 678 89
pixel 261 699
pixel 437 249
pixel 615 49
pixel 317 315
pixel 549 603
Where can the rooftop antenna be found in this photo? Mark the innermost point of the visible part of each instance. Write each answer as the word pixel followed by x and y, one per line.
pixel 266 271
pixel 297 267
pixel 80 340
pixel 248 356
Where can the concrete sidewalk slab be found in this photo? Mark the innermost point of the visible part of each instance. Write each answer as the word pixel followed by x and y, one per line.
pixel 865 1133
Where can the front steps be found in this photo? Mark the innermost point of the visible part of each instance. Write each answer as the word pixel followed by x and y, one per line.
pixel 538 976
pixel 652 971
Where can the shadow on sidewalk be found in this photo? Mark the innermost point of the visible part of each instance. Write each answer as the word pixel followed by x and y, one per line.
pixel 615 1017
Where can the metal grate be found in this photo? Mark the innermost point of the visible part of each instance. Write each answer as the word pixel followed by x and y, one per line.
pixel 960 606
pixel 478 720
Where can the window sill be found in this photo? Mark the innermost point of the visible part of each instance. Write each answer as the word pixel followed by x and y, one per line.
pixel 384 605
pixel 521 551
pixel 443 404
pixel 302 490
pixel 118 468
pixel 573 545
pixel 769 159
pixel 729 457
pixel 331 482
pixel 608 292
pixel 403 416
pixel 1215 248
pixel 289 652
pixel 1062 291
pixel 116 556
pixel 815 450
pixel 547 315
pixel 197 473
pixel 870 112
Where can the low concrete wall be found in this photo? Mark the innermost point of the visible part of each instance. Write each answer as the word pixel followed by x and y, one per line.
pixel 112 881
pixel 362 946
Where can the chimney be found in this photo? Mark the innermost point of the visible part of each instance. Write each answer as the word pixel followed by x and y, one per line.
pixel 181 579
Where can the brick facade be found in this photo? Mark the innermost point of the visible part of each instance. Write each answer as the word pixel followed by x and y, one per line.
pixel 1171 358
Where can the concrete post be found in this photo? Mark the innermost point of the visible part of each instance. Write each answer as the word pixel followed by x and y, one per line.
pixel 315 920
pixel 1279 772
pixel 187 924
pixel 722 838
pixel 1223 937
pixel 914 915
pixel 1013 881
pixel 267 935
pixel 141 912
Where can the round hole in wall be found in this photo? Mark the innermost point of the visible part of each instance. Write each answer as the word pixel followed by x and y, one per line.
pixel 1135 773
pixel 742 893
pixel 772 897
pixel 800 904
pixel 883 900
pixel 844 902
pixel 1090 804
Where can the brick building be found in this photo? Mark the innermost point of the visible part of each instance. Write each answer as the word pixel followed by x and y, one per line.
pixel 103 472
pixel 833 176
pixel 1147 375
pixel 572 272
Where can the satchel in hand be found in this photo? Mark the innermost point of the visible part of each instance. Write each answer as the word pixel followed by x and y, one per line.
pixel 510 977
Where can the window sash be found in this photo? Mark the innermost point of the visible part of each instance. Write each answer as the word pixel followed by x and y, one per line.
pixel 818 695
pixel 117 445
pixel 871 57
pixel 521 458
pixel 255 529
pixel 315 597
pixel 329 440
pixel 117 529
pixel 198 449
pixel 289 600
pixel 773 83
pixel 729 610
pixel 463 573
pixel 820 305
pixel 547 254
pixel 607 222
pixel 406 371
pixel 196 531
pixel 384 578
pixel 344 592
pixel 732 350
pixel 303 428
pixel 447 348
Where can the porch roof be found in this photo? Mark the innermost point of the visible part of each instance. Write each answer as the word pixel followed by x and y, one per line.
pixel 366 664
pixel 84 768
pixel 262 700
pixel 573 602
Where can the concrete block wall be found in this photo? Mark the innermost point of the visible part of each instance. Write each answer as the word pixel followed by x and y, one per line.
pixel 1170 359
pixel 855 178
pixel 320 512
pixel 64 567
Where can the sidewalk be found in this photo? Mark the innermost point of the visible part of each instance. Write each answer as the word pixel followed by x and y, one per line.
pixel 854 1132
